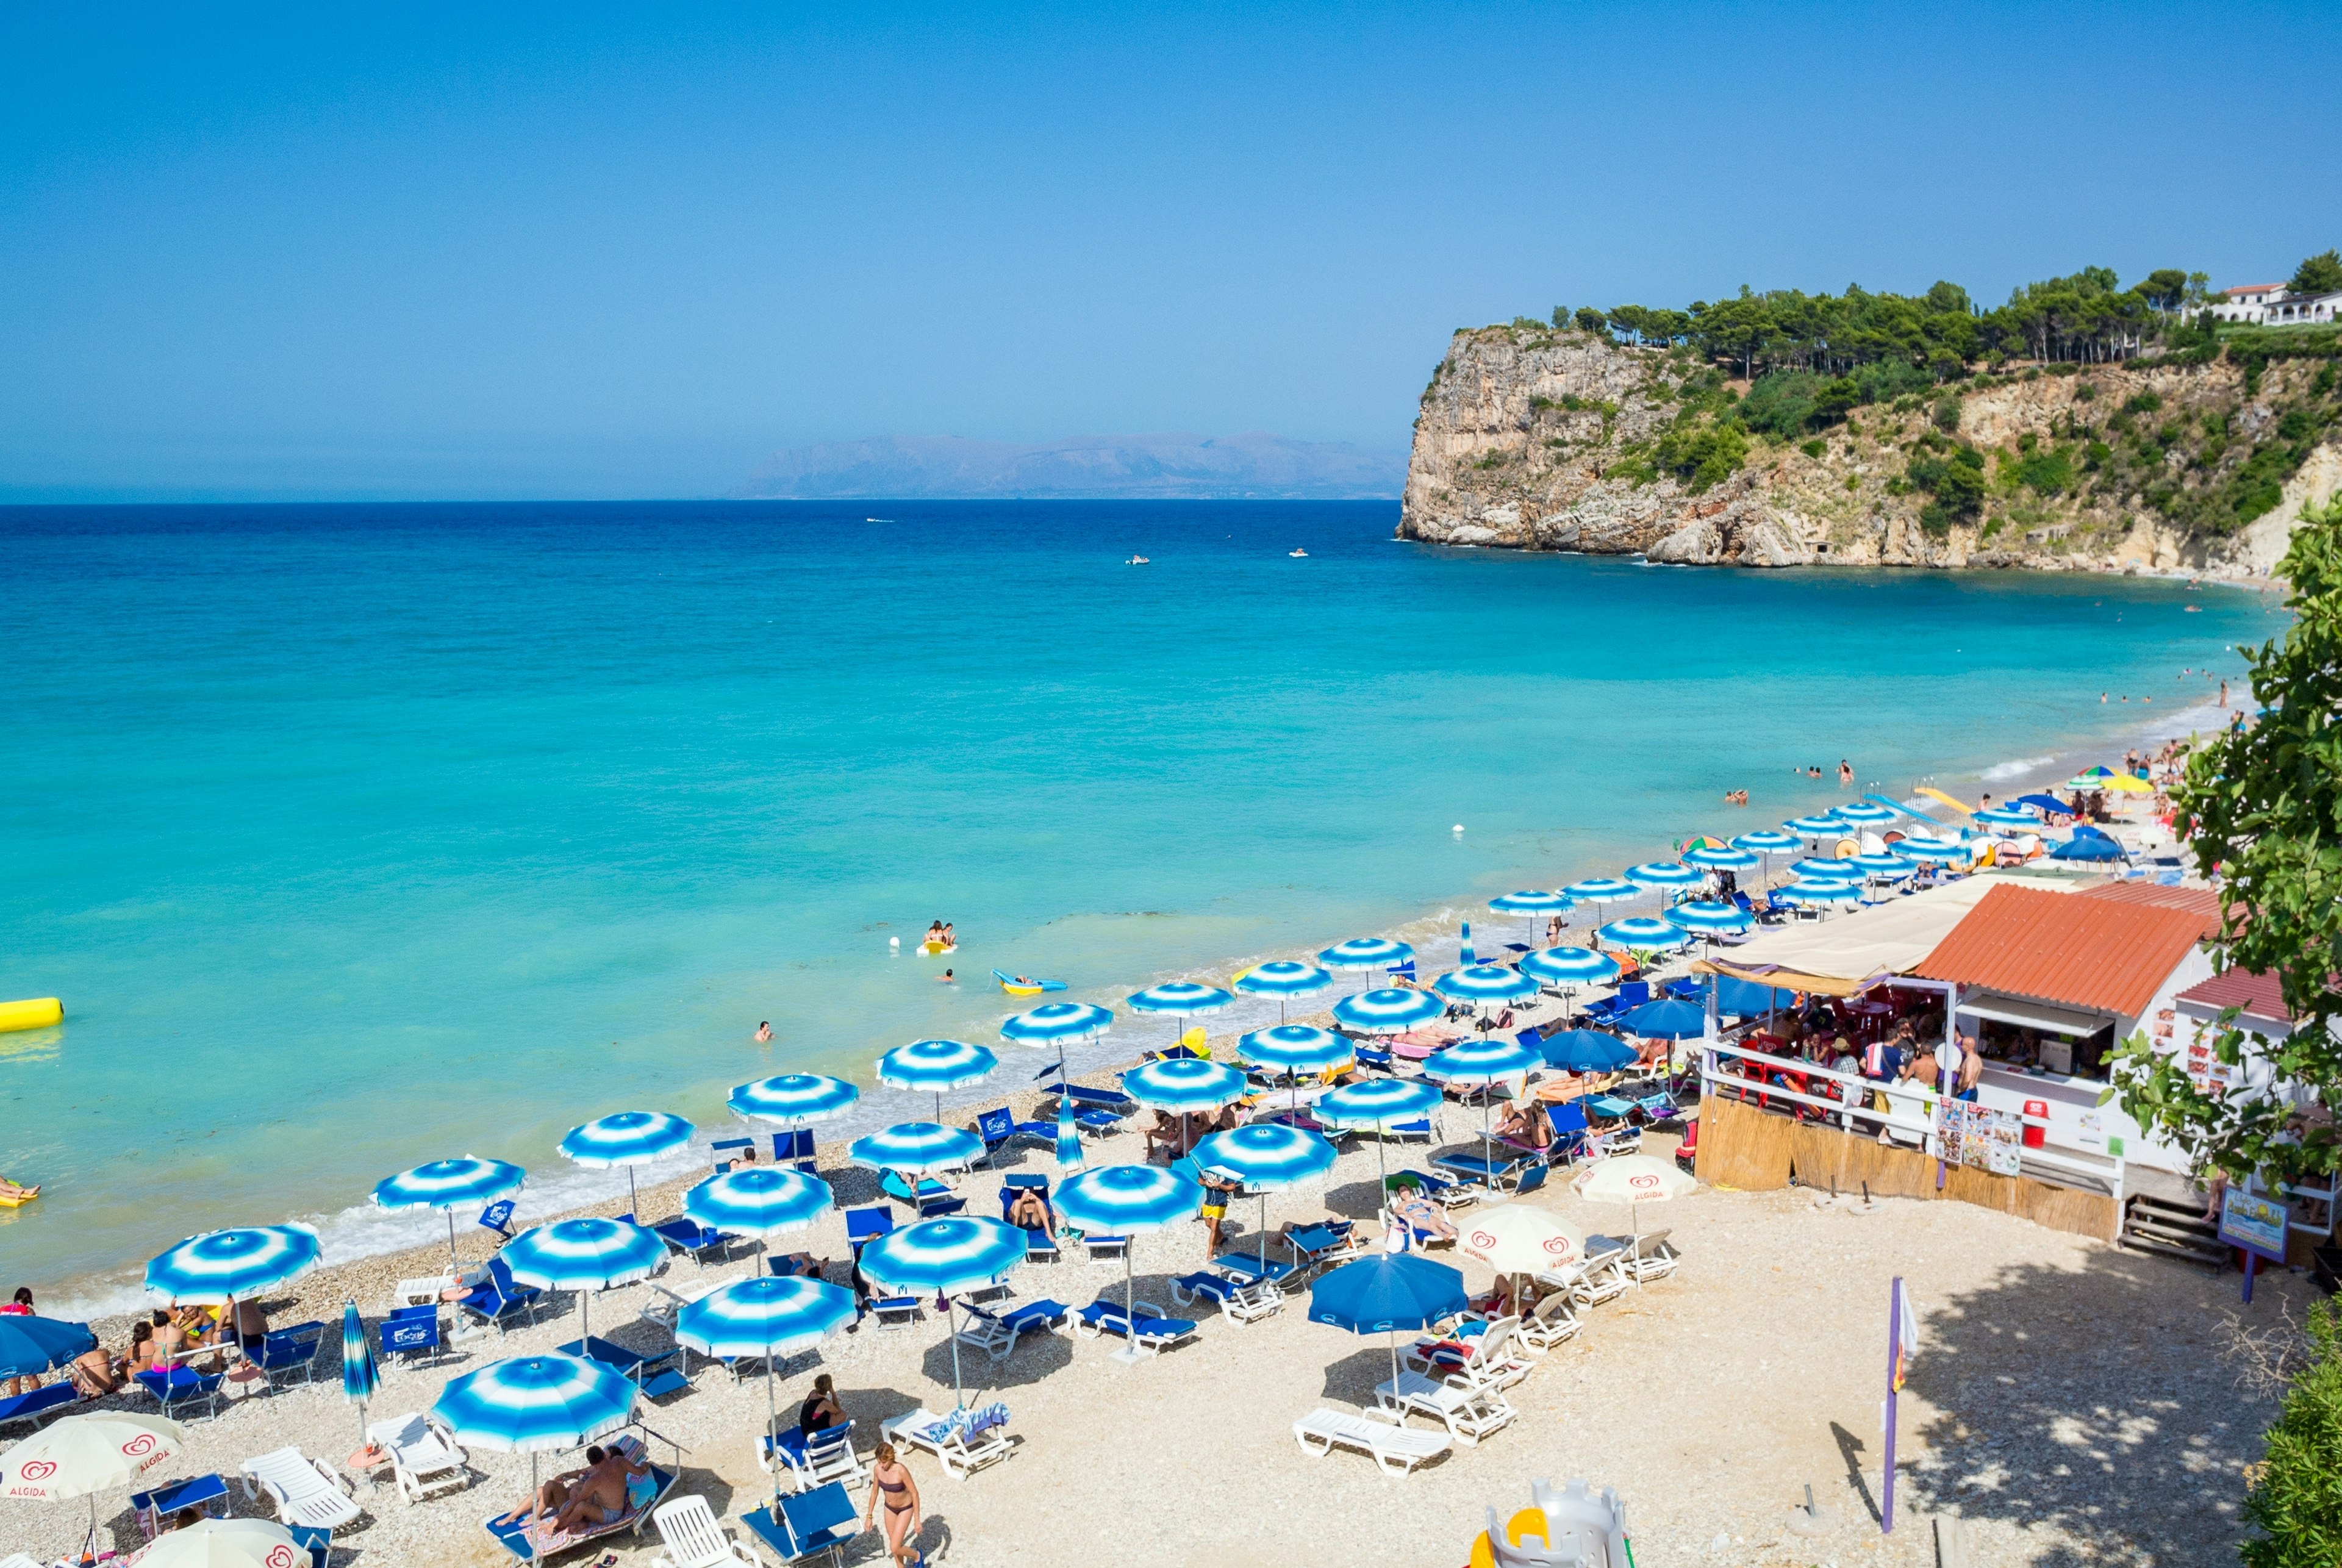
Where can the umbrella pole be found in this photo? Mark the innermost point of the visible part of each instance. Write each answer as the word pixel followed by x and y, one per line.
pixel 451 1239
pixel 772 1426
pixel 634 1203
pixel 1635 1224
pixel 951 1324
pixel 1260 1246
pixel 531 1526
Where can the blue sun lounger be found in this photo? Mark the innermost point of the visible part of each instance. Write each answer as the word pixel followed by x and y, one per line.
pixel 811 1522
pixel 500 1298
pixel 1149 1331
pixel 693 1239
pixel 932 1198
pixel 1039 1245
pixel 182 1388
pixel 33 1406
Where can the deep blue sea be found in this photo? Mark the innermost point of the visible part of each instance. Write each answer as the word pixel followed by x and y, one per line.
pixel 355 836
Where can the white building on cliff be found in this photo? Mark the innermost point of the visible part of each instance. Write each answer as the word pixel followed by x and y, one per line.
pixel 2268 305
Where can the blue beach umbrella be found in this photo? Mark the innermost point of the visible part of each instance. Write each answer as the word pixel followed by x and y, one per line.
pixel 1603 890
pixel 1380 1103
pixel 450 1184
pixel 1124 1200
pixel 1821 867
pixel 794 1098
pixel 1069 1138
pixel 1929 848
pixel 1296 1048
pixel 535 1405
pixel 223 1265
pixel 1267 1156
pixel 1366 952
pixel 759 1201
pixel 1706 919
pixel 628 1138
pixel 584 1255
pixel 1390 1011
pixel 1666 1019
pixel 1738 998
pixel 1533 903
pixel 915 1148
pixel 1587 1051
pixel 1710 857
pixel 1570 967
pixel 1053 1023
pixel 31 1344
pixel 1185 997
pixel 935 1065
pixel 1643 936
pixel 945 1255
pixel 1768 841
pixel 1284 979
pixel 1815 892
pixel 1485 982
pixel 2088 847
pixel 359 1376
pixel 1182 1085
pixel 766 1318
pixel 1482 1062
pixel 1822 826
pixel 1863 814
pixel 2009 817
pixel 1387 1293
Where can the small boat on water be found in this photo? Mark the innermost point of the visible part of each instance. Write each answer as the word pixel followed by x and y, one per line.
pixel 1021 985
pixel 1137 561
pixel 1298 554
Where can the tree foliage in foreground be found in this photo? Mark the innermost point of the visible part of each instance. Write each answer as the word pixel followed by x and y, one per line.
pixel 2266 804
pixel 2296 1501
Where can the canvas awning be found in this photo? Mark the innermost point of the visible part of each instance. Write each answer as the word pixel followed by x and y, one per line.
pixel 1852 952
pixel 2028 1014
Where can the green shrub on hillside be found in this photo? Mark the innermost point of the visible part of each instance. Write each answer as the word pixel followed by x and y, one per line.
pixel 2296 1502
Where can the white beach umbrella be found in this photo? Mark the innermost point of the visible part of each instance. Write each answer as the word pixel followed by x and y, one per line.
pixel 83 1455
pixel 1632 1180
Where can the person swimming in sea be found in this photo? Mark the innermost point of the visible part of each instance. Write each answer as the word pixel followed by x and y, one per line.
pixel 764 1032
pixel 946 978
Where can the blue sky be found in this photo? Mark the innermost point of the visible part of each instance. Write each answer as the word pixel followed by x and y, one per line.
pixel 578 251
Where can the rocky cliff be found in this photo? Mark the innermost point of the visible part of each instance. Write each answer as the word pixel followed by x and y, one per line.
pixel 1537 438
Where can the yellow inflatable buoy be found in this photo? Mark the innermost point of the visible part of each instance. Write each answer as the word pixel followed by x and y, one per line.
pixel 37 1013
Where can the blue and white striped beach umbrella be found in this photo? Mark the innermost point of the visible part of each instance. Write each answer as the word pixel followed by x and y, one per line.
pixel 1530 902
pixel 2010 816
pixel 1813 890
pixel 1724 859
pixel 536 1403
pixel 1822 826
pixel 1706 919
pixel 1184 1084
pixel 915 1148
pixel 759 1201
pixel 1376 1103
pixel 954 1254
pixel 450 1184
pixel 1917 847
pixel 1296 1048
pixel 1123 1200
pixel 1863 814
pixel 1881 867
pixel 1485 982
pixel 1768 840
pixel 583 1255
pixel 1055 1023
pixel 1570 967
pixel 626 1138
pixel 794 1097
pixel 1643 936
pixel 1603 890
pixel 932 1066
pixel 360 1377
pixel 1186 997
pixel 227 1266
pixel 1366 952
pixel 1390 1011
pixel 1267 1155
pixel 1821 867
pixel 1490 1061
pixel 764 1317
pixel 1285 977
pixel 1069 1138
pixel 1663 875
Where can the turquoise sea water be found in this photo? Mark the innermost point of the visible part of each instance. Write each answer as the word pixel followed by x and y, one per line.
pixel 357 836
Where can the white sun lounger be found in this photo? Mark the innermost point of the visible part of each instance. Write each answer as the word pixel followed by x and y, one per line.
pixel 424 1459
pixel 1554 1320
pixel 961 1458
pixel 692 1538
pixel 1469 1411
pixel 1489 1363
pixel 1395 1448
pixel 1590 1281
pixel 303 1489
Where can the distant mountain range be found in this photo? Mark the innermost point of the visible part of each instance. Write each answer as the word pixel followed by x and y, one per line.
pixel 1169 466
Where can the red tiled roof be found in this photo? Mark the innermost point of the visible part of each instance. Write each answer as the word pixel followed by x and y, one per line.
pixel 2262 995
pixel 2252 288
pixel 2108 953
pixel 2200 901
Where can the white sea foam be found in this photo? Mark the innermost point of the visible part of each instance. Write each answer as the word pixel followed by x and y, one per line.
pixel 2001 772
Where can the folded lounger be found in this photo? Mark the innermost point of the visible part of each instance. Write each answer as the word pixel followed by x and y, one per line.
pixel 822 1520
pixel 1395 1448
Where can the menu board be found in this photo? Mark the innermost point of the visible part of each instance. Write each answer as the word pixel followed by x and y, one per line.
pixel 1979 1136
pixel 2205 1069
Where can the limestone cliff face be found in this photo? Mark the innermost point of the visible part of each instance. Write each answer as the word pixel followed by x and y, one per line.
pixel 1526 436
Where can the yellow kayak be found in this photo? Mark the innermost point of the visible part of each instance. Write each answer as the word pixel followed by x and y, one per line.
pixel 36 1012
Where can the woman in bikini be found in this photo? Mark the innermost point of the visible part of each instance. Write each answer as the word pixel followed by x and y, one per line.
pixel 891 1479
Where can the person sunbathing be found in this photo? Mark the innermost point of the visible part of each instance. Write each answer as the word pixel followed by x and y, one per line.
pixel 1525 1123
pixel 1028 1210
pixel 1166 1132
pixel 1409 1204
pixel 95 1373
pixel 15 1194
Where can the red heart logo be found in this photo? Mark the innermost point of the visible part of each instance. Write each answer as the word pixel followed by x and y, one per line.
pixel 139 1446
pixel 38 1469
pixel 1557 1245
pixel 1642 1181
pixel 280 1556
pixel 1483 1239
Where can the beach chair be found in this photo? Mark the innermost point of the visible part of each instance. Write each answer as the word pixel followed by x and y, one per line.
pixel 1483 1360
pixel 499 1299
pixel 1373 1060
pixel 533 1545
pixel 206 1494
pixel 1610 1127
pixel 867 1225
pixel 304 1491
pixel 1445 1190
pixel 965 1441
pixel 997 1128
pixel 498 1217
pixel 1548 1324
pixel 1394 1449
pixel 33 1406
pixel 795 1148
pixel 727 1150
pixel 408 1333
pixel 1240 1303
pixel 1104 1249
pixel 285 1351
pixel 931 1198
pixel 424 1459
pixel 693 1239
pixel 1469 1411
pixel 898 1312
pixel 1041 1246
pixel 1649 1258
pixel 1590 1281
pixel 1148 1330
pixel 181 1388
pixel 1402 973
pixel 1252 1268
pixel 807 1460
pixel 822 1520
pixel 665 1301
pixel 691 1537
pixel 1532 1178
pixel 1688 1151
pixel 995 1332
pixel 1495 1170
pixel 1317 1246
